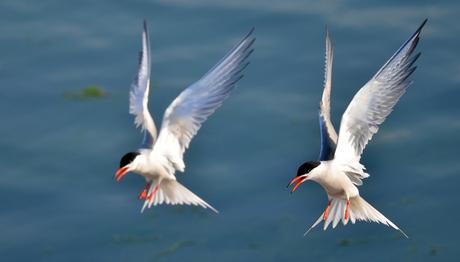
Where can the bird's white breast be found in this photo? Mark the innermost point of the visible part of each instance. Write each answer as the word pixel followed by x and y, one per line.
pixel 334 181
pixel 154 166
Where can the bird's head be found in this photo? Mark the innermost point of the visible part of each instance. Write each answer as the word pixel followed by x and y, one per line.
pixel 303 174
pixel 126 165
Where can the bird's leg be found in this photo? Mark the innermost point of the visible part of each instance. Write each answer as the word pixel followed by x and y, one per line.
pixel 346 209
pixel 143 194
pixel 152 195
pixel 326 211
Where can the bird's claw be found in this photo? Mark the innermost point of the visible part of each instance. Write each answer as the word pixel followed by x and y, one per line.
pixel 346 210
pixel 143 194
pixel 326 211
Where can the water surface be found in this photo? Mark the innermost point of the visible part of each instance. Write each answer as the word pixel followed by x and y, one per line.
pixel 59 153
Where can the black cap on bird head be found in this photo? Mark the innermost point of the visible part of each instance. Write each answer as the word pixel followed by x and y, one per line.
pixel 124 162
pixel 128 158
pixel 306 167
pixel 302 173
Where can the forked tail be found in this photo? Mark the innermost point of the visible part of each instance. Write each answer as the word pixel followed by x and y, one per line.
pixel 359 210
pixel 173 193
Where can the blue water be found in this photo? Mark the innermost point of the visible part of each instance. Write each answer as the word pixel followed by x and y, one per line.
pixel 59 201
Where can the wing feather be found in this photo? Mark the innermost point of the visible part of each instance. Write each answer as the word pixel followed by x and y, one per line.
pixel 375 101
pixel 139 94
pixel 184 117
pixel 328 133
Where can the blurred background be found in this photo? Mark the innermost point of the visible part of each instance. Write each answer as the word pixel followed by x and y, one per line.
pixel 65 72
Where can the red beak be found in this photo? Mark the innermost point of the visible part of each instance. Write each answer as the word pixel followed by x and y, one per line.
pixel 297 180
pixel 121 172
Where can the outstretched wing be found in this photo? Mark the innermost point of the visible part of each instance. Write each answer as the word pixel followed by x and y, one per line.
pixel 184 117
pixel 139 94
pixel 328 133
pixel 375 101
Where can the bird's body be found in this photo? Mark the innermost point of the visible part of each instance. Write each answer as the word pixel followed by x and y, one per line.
pixel 339 170
pixel 334 180
pixel 161 153
pixel 153 166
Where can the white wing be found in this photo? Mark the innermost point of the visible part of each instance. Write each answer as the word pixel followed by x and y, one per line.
pixel 375 101
pixel 139 94
pixel 328 133
pixel 184 117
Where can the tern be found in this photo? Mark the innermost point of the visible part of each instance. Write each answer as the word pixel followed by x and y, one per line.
pixel 338 169
pixel 158 158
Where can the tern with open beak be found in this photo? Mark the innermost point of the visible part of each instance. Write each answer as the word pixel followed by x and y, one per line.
pixel 159 157
pixel 338 169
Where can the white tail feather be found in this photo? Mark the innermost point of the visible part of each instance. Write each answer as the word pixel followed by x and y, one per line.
pixel 359 210
pixel 172 192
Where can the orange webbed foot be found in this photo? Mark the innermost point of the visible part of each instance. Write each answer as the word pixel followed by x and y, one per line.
pixel 151 197
pixel 326 211
pixel 143 194
pixel 346 210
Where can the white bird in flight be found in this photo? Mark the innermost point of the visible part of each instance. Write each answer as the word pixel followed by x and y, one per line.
pixel 339 170
pixel 159 157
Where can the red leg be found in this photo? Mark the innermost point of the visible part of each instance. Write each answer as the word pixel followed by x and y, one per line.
pixel 346 209
pixel 143 194
pixel 326 211
pixel 152 195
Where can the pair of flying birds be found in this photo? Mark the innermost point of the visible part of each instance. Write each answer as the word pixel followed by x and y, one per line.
pixel 338 169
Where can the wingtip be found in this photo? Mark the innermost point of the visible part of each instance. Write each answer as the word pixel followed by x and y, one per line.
pixel 412 41
pixel 419 29
pixel 415 36
pixel 328 39
pixel 423 23
pixel 146 31
pixel 251 43
pixel 249 34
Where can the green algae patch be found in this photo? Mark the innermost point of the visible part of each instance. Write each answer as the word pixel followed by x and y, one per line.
pixel 174 248
pixel 254 246
pixel 345 242
pixel 134 239
pixel 91 91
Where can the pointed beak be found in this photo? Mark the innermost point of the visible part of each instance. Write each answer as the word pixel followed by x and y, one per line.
pixel 121 172
pixel 297 181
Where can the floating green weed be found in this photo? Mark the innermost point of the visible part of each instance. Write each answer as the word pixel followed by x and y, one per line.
pixel 134 239
pixel 408 200
pixel 91 91
pixel 348 242
pixel 345 242
pixel 434 250
pixel 254 246
pixel 174 248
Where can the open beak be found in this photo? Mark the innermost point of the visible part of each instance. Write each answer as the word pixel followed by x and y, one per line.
pixel 121 172
pixel 297 180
